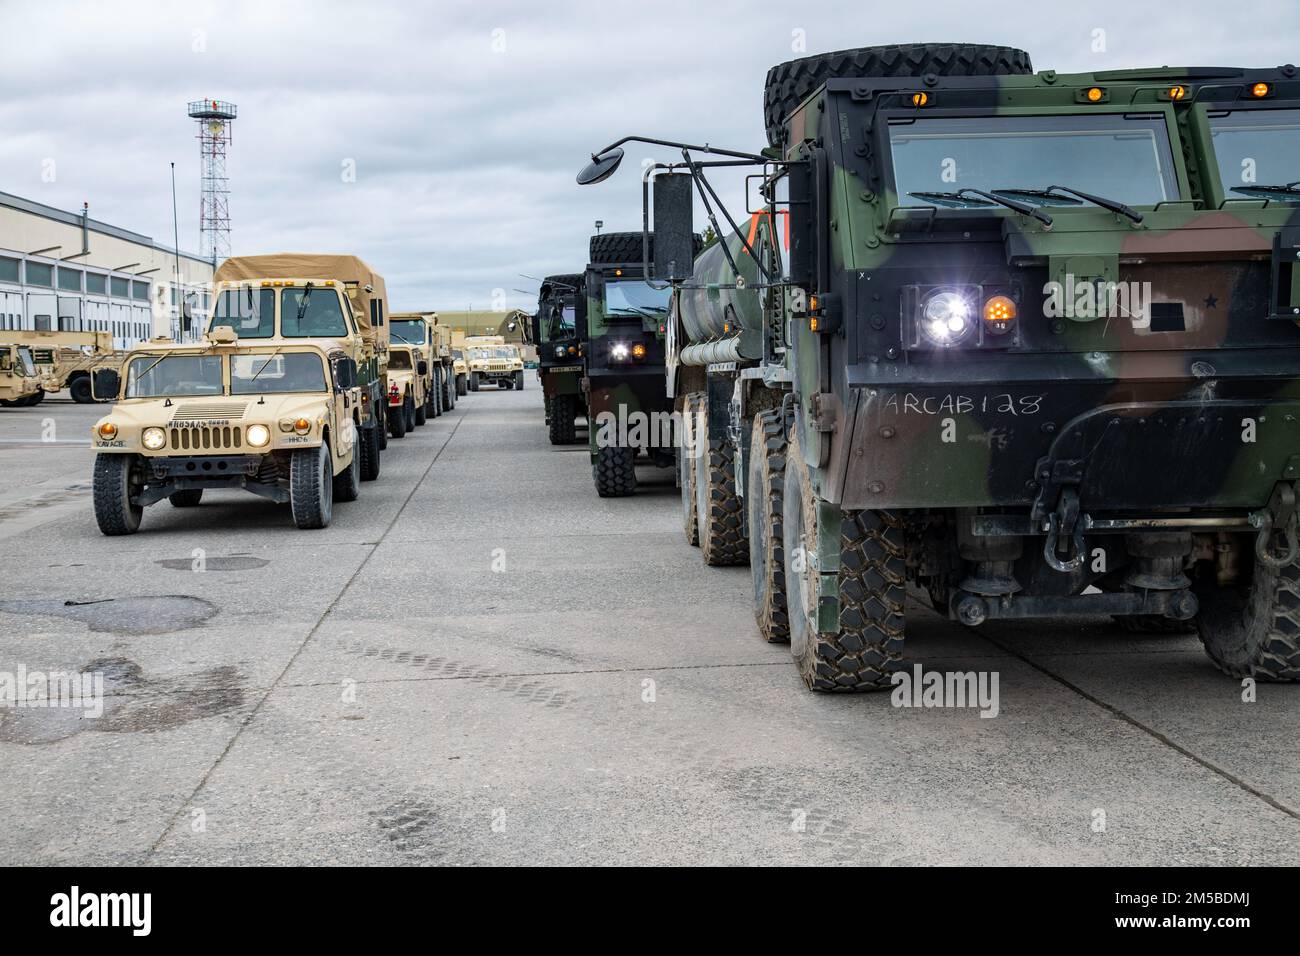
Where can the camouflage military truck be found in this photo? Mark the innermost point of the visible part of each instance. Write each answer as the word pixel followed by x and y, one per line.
pixel 408 377
pixel 560 331
pixel 1027 340
pixel 287 297
pixel 627 411
pixel 279 419
pixel 20 382
pixel 71 358
pixel 420 330
pixel 491 359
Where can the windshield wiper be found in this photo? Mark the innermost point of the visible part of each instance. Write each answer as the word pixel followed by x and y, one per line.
pixel 951 199
pixel 1290 189
pixel 1054 192
pixel 302 307
pixel 265 364
pixel 960 196
pixel 400 339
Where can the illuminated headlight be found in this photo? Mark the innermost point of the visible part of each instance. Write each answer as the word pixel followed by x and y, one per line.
pixel 619 352
pixel 258 435
pixel 559 351
pixel 947 319
pixel 153 438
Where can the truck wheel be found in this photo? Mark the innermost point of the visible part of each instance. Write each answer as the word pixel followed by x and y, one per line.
pixel 408 409
pixel 449 391
pixel 789 84
pixel 763 483
pixel 115 480
pixel 723 542
pixel 421 414
pixel 615 472
pixel 188 498
pixel 863 653
pixel 79 389
pixel 619 247
pixel 1253 630
pixel 462 388
pixel 347 483
pixel 474 381
pixel 561 425
pixel 368 451
pixel 397 421
pixel 686 452
pixel 519 381
pixel 311 487
pixel 34 399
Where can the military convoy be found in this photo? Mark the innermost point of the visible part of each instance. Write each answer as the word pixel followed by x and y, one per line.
pixel 1028 341
pixel 432 345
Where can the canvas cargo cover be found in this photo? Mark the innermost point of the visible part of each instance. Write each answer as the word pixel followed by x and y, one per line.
pixel 310 265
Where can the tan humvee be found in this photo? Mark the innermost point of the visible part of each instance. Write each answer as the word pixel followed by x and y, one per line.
pixel 408 377
pixel 279 419
pixel 421 331
pixel 20 383
pixel 492 360
pixel 289 296
pixel 68 359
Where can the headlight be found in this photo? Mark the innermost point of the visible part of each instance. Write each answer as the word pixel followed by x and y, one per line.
pixel 258 435
pixel 559 351
pixel 618 352
pixel 947 319
pixel 107 430
pixel 153 438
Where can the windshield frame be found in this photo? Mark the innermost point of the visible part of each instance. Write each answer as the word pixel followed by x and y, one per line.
pixel 149 359
pixel 264 350
pixel 1173 154
pixel 1202 135
pixel 393 334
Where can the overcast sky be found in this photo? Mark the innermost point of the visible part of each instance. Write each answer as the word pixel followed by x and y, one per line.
pixel 466 122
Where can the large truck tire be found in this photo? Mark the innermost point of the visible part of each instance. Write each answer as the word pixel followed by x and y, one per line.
pixel 865 650
pixel 619 247
pixel 368 451
pixel 473 381
pixel 462 387
pixel 112 486
pixel 347 483
pixel 789 84
pixel 421 414
pixel 311 487
pixel 764 481
pixel 34 399
pixel 80 390
pixel 381 413
pixel 614 472
pixel 397 420
pixel 561 427
pixel 721 516
pixel 519 381
pixel 1253 630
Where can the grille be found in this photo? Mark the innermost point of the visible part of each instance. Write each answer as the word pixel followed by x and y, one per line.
pixel 498 367
pixel 208 438
pixel 198 411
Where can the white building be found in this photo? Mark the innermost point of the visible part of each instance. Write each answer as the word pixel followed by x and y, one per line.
pixel 65 271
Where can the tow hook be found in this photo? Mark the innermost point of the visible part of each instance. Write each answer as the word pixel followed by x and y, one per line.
pixel 1277 518
pixel 1064 522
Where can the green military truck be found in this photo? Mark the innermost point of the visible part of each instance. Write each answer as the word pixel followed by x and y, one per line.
pixel 628 414
pixel 560 331
pixel 1030 341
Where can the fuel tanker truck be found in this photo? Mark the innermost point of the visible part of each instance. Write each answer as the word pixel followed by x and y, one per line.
pixel 1026 341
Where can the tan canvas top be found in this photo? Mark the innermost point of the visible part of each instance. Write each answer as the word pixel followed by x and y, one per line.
pixel 350 270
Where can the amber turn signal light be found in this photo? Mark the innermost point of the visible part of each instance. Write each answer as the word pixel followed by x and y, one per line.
pixel 1260 90
pixel 108 430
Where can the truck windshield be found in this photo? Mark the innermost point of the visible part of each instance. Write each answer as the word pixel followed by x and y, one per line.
pixel 312 313
pixel 272 373
pixel 18 360
pixel 149 376
pixel 250 312
pixel 408 330
pixel 1125 158
pixel 634 297
pixel 399 359
pixel 508 352
pixel 561 324
pixel 1256 150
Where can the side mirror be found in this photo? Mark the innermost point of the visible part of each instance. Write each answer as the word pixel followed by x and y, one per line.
pixel 422 367
pixel 105 384
pixel 345 374
pixel 674 209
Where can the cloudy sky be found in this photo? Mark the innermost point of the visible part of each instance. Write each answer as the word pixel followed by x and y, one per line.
pixel 466 122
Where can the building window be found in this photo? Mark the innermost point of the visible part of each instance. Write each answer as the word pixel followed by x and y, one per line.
pixel 140 290
pixel 8 269
pixel 96 284
pixel 38 273
pixel 69 279
pixel 121 287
